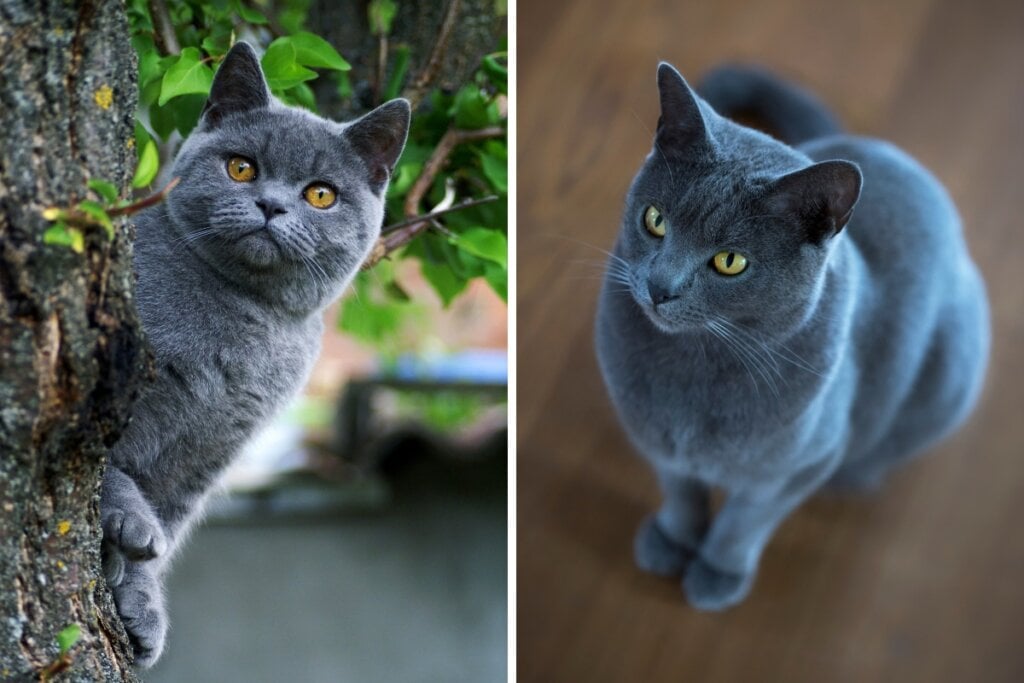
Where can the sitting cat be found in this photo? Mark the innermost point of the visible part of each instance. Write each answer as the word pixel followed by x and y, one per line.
pixel 775 318
pixel 275 212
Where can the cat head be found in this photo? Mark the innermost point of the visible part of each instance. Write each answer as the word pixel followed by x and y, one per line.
pixel 724 223
pixel 277 198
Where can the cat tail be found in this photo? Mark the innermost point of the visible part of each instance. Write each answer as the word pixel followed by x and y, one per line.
pixel 791 113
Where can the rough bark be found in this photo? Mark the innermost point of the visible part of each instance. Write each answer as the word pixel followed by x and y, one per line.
pixel 71 351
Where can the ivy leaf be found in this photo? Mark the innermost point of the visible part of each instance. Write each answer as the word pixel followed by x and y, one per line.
pixel 104 189
pixel 150 65
pixel 248 14
pixel 188 75
pixel 487 244
pixel 67 637
pixel 149 164
pixel 313 51
pixel 281 68
pixel 496 67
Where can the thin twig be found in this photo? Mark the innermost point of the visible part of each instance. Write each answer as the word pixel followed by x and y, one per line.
pixel 436 213
pixel 382 66
pixel 165 36
pixel 416 92
pixel 80 219
pixel 145 202
pixel 401 236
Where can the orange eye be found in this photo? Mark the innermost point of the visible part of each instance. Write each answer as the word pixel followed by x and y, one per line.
pixel 320 195
pixel 241 169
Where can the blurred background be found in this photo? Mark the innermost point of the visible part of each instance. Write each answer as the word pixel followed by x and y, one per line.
pixel 918 583
pixel 362 536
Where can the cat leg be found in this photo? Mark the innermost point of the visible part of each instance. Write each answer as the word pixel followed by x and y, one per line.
pixel 724 570
pixel 667 541
pixel 140 602
pixel 129 523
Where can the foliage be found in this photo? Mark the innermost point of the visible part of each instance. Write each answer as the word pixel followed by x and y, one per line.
pixel 471 244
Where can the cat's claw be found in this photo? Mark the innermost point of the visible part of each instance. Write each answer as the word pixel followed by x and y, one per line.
pixel 658 554
pixel 139 536
pixel 710 589
pixel 140 605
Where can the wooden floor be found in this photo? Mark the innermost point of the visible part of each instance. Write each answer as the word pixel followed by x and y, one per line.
pixel 924 582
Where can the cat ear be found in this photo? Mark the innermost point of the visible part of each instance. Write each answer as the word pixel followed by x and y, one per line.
pixel 822 196
pixel 681 125
pixel 379 137
pixel 238 86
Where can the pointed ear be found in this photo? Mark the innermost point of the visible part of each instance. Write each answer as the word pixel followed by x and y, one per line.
pixel 681 126
pixel 238 86
pixel 379 137
pixel 822 196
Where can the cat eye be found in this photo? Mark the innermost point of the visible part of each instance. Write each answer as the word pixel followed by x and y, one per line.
pixel 729 262
pixel 241 169
pixel 654 222
pixel 320 195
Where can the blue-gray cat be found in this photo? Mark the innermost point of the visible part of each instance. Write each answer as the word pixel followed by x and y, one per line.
pixel 775 318
pixel 275 212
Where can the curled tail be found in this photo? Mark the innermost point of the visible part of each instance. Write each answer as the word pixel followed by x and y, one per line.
pixel 792 113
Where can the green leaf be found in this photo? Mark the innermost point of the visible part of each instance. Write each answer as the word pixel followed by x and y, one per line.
pixel 470 108
pixel 496 67
pixel 96 211
pixel 496 170
pixel 313 51
pixel 150 66
pixel 60 233
pixel 281 68
pixel 303 96
pixel 248 14
pixel 400 67
pixel 188 75
pixel 104 189
pixel 487 244
pixel 67 637
pixel 381 14
pixel 497 278
pixel 149 164
pixel 444 280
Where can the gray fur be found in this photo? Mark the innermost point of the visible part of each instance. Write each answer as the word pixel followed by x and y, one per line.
pixel 856 338
pixel 232 281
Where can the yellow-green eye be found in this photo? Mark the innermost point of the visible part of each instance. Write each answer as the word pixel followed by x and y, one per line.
pixel 729 262
pixel 319 195
pixel 654 222
pixel 241 169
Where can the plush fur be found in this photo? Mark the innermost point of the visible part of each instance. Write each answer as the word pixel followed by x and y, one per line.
pixel 232 280
pixel 856 337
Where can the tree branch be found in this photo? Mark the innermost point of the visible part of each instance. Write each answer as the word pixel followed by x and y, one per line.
pixel 415 92
pixel 400 236
pixel 165 35
pixel 433 215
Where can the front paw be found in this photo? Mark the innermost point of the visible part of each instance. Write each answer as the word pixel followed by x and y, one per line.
pixel 136 534
pixel 658 554
pixel 140 604
pixel 711 589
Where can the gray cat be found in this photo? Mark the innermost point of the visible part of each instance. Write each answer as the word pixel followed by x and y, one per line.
pixel 776 318
pixel 276 210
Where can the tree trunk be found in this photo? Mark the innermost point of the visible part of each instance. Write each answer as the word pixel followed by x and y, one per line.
pixel 71 352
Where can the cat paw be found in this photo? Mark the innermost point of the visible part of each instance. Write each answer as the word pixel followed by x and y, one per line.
pixel 658 554
pixel 140 605
pixel 710 589
pixel 138 535
pixel 114 564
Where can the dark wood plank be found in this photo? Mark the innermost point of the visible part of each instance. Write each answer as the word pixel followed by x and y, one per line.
pixel 921 582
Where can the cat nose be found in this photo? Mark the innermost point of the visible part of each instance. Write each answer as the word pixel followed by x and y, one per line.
pixel 659 293
pixel 270 207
